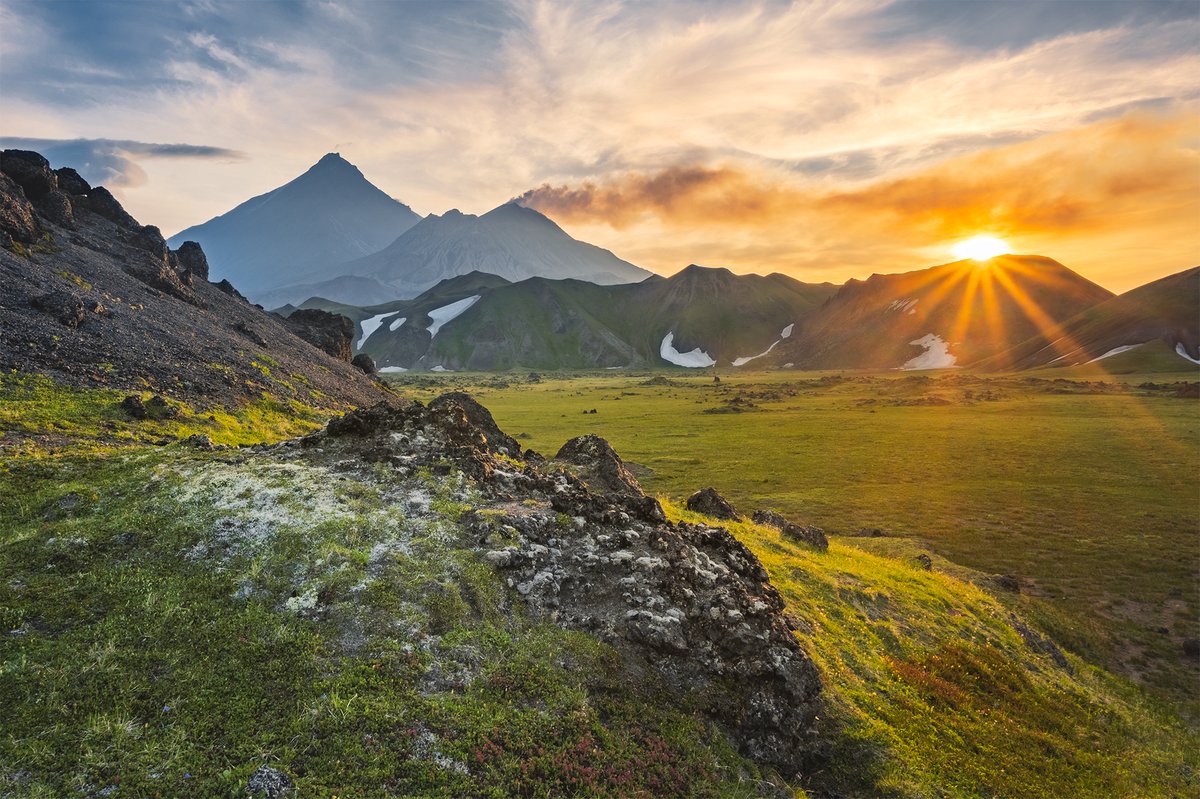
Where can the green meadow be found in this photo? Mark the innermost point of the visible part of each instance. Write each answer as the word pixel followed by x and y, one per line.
pixel 1084 487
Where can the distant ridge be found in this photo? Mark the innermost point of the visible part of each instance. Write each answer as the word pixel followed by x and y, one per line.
pixel 295 233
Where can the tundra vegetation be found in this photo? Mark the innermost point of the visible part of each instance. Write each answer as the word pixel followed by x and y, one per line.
pixel 174 618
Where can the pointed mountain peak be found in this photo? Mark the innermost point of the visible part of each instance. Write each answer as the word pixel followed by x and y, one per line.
pixel 332 163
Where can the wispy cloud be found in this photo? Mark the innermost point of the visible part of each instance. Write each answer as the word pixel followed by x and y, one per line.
pixel 114 162
pixel 467 104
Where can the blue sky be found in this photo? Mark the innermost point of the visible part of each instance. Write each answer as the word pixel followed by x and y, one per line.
pixel 187 108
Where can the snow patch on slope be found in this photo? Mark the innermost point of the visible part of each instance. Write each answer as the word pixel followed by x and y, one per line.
pixel 787 331
pixel 392 327
pixel 369 326
pixel 936 356
pixel 1115 351
pixel 448 313
pixel 1181 351
pixel 695 359
pixel 902 305
pixel 391 369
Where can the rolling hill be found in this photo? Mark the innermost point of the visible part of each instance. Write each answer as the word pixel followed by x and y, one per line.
pixel 478 321
pixel 955 314
pixel 1161 312
pixel 293 235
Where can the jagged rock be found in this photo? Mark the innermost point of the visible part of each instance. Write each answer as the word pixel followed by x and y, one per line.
pixel 71 181
pixel 689 608
pixel 805 534
pixel 63 306
pixel 601 468
pixel 192 259
pixel 270 783
pixel 326 331
pixel 496 440
pixel 101 201
pixel 366 363
pixel 158 273
pixel 710 503
pixel 150 239
pixel 17 219
pixel 30 171
pixel 227 287
pixel 56 206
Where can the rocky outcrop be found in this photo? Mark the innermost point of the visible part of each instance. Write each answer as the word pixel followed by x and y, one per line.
pixel 365 364
pixel 326 331
pixel 30 171
pixel 192 260
pixel 101 201
pixel 690 609
pixel 710 503
pixel 17 219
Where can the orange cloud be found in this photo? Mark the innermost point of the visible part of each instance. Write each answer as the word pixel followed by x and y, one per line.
pixel 1081 179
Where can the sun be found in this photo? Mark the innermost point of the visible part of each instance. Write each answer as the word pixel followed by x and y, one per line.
pixel 980 248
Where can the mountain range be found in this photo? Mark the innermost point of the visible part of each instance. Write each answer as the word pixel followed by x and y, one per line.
pixel 993 315
pixel 331 233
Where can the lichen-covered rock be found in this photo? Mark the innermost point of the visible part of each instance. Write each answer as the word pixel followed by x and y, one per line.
pixel 690 609
pixel 270 783
pixel 710 503
pixel 326 331
pixel 769 518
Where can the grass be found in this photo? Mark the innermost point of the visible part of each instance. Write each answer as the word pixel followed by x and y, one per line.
pixel 173 620
pixel 41 417
pixel 931 690
pixel 1084 489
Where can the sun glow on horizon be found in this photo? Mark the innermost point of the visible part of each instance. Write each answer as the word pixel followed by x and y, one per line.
pixel 980 248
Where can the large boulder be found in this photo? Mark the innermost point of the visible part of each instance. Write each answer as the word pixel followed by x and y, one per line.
pixel 801 533
pixel 331 333
pixel 710 503
pixel 63 306
pixel 365 364
pixel 599 466
pixel 17 219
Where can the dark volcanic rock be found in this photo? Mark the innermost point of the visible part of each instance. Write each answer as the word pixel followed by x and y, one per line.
pixel 30 171
pixel 710 503
pixel 331 333
pixel 225 287
pixel 270 783
pixel 57 207
pixel 150 239
pixel 71 181
pixel 192 260
pixel 101 201
pixel 688 607
pixel 365 363
pixel 135 407
pixel 17 218
pixel 63 306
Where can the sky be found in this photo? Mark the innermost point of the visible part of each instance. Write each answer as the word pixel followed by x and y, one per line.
pixel 825 140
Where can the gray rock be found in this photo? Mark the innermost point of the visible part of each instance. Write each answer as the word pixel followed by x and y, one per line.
pixel 769 518
pixel 805 534
pixel 192 259
pixel 270 783
pixel 101 201
pixel 329 332
pixel 365 363
pixel 71 182
pixel 57 207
